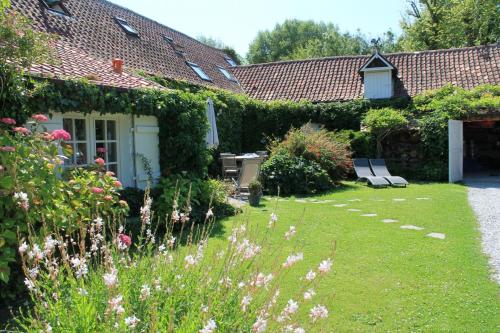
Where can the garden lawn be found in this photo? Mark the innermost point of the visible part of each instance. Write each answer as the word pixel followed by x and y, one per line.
pixel 386 278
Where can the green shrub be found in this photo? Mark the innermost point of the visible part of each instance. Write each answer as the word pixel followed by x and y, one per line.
pixel 135 199
pixel 290 174
pixel 360 143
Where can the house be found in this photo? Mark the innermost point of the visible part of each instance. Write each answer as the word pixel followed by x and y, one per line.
pixel 107 43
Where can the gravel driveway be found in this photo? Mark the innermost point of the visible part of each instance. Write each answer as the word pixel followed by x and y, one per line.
pixel 484 197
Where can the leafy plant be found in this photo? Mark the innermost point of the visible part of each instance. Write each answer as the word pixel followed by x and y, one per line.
pixel 382 122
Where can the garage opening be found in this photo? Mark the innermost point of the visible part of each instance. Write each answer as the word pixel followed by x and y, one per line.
pixel 481 150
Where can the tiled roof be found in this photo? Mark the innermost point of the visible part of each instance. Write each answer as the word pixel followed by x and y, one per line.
pixel 93 29
pixel 337 78
pixel 74 63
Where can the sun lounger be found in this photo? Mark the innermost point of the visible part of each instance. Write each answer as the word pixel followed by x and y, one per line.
pixel 380 170
pixel 364 173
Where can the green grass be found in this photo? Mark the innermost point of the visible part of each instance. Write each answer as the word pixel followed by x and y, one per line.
pixel 387 279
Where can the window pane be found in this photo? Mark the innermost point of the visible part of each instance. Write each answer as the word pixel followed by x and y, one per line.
pixel 111 152
pixel 100 150
pixel 81 153
pixel 111 135
pixel 113 167
pixel 68 126
pixel 99 129
pixel 80 130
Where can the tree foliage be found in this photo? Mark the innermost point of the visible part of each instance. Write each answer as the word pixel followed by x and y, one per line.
pixel 219 44
pixel 382 122
pixel 296 39
pixel 437 24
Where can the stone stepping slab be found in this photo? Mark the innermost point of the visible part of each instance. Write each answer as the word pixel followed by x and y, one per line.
pixel 369 215
pixel 398 199
pixel 411 227
pixel 340 205
pixel 437 235
pixel 353 210
pixel 389 221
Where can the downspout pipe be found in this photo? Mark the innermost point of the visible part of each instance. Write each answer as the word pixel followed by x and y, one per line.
pixel 134 156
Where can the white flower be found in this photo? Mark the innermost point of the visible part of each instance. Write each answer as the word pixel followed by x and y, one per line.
pixel 48 329
pixel 247 249
pixel 325 266
pixel 115 304
pixel 22 200
pixel 29 284
pixel 245 302
pixel 272 220
pixel 80 266
pixel 50 244
pixel 290 308
pixel 310 275
pixel 110 279
pixel 145 292
pixel 292 259
pixel 132 321
pixel 23 247
pixel 157 284
pixel 309 294
pixel 317 312
pixel 260 325
pixel 171 241
pixel 290 233
pixel 36 253
pixel 209 327
pixel 210 213
pixel 190 261
pixel 82 292
pixel 162 248
pixel 98 222
pixel 262 280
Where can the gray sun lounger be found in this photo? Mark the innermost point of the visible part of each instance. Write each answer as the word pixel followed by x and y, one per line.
pixel 380 169
pixel 363 172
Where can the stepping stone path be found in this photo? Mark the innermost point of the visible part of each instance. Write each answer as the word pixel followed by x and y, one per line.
pixel 340 205
pixel 423 198
pixel 399 199
pixel 354 210
pixel 389 221
pixel 369 215
pixel 411 227
pixel 353 200
pixel 437 235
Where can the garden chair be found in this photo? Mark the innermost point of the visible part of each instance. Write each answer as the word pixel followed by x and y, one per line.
pixel 364 173
pixel 380 170
pixel 229 166
pixel 249 172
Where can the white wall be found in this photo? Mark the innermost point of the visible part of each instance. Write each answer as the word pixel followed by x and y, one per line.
pixel 378 84
pixel 146 142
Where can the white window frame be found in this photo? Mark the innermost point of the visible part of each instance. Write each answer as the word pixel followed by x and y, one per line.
pixel 74 143
pixel 106 141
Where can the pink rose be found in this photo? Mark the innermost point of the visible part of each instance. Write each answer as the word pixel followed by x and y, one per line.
pixel 124 239
pixel 21 130
pixel 97 190
pixel 117 183
pixel 101 150
pixel 61 134
pixel 40 118
pixel 99 161
pixel 8 121
pixel 7 149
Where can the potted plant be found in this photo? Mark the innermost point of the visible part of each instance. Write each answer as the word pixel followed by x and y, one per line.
pixel 255 190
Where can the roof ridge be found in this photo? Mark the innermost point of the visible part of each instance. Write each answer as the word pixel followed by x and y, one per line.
pixel 368 55
pixel 109 2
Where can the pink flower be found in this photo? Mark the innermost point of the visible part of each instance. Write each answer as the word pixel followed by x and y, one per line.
pixel 101 150
pixel 21 130
pixel 8 121
pixel 97 190
pixel 99 161
pixel 7 149
pixel 108 197
pixel 110 173
pixel 47 136
pixel 40 118
pixel 124 239
pixel 61 134
pixel 117 184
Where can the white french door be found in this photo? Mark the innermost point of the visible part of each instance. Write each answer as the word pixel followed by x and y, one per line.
pixel 455 150
pixel 106 142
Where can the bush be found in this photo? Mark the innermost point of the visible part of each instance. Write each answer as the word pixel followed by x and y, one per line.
pixel 290 174
pixel 135 199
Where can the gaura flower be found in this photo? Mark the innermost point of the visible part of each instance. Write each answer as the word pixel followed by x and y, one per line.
pixel 7 149
pixel 97 190
pixel 99 161
pixel 8 121
pixel 61 134
pixel 40 118
pixel 22 130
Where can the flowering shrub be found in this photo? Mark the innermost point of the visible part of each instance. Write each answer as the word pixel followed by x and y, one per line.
pixel 161 285
pixel 33 193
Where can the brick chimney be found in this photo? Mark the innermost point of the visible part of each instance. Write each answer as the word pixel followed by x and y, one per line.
pixel 118 65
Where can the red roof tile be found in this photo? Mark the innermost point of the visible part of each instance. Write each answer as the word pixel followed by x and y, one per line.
pixel 337 78
pixel 74 63
pixel 93 29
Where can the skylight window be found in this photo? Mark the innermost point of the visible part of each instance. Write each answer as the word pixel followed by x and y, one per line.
pixel 197 69
pixel 127 27
pixel 227 74
pixel 56 6
pixel 230 61
pixel 168 39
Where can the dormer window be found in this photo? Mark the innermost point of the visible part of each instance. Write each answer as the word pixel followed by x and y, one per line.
pixel 230 61
pixel 377 75
pixel 197 69
pixel 227 74
pixel 126 27
pixel 56 6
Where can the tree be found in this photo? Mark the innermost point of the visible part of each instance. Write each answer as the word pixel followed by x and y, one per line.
pixel 382 122
pixel 296 39
pixel 436 24
pixel 218 44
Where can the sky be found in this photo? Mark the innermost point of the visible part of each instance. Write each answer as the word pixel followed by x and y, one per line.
pixel 236 23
